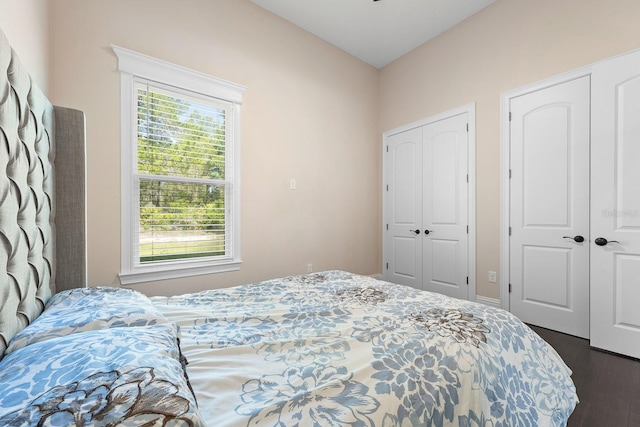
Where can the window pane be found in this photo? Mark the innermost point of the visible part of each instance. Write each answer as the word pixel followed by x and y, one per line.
pixel 179 135
pixel 181 220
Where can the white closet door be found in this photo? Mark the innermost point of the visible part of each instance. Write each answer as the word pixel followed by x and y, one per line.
pixel 615 222
pixel 403 206
pixel 549 213
pixel 445 206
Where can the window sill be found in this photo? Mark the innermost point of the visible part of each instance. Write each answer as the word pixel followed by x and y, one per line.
pixel 175 272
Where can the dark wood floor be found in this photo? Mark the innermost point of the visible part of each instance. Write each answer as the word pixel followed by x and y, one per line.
pixel 608 386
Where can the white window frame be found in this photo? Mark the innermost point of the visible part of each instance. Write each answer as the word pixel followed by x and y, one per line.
pixel 134 65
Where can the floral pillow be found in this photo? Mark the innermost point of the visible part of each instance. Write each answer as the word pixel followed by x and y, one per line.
pixel 117 376
pixel 91 296
pixel 87 309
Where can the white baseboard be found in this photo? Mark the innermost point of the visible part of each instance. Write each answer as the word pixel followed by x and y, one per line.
pixel 492 302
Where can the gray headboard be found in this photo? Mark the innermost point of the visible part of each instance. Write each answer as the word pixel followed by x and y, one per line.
pixel 42 197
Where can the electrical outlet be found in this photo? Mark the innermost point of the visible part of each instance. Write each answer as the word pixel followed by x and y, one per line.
pixel 492 277
pixel 293 184
pixel 309 268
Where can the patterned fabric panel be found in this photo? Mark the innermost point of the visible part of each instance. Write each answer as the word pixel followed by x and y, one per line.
pixel 87 309
pixel 114 377
pixel 339 349
pixel 26 188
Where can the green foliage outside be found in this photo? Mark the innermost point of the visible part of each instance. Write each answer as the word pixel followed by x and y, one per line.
pixel 179 138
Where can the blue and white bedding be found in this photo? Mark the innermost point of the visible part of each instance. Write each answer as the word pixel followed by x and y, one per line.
pixel 96 357
pixel 88 309
pixel 337 349
pixel 325 349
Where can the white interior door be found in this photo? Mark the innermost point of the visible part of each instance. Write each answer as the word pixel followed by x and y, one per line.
pixel 445 206
pixel 615 223
pixel 403 208
pixel 549 212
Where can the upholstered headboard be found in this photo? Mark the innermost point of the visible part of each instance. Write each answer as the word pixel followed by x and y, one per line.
pixel 42 197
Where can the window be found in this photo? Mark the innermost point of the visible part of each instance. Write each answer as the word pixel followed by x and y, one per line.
pixel 180 170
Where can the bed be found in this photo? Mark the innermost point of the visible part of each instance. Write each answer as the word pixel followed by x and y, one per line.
pixel 323 349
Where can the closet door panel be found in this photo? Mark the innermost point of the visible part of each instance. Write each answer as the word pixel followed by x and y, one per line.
pixel 615 200
pixel 445 206
pixel 627 270
pixel 403 209
pixel 549 207
pixel 547 170
pixel 444 170
pixel 546 275
pixel 628 153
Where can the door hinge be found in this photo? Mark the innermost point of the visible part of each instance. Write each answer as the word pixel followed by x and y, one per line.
pixel 509 115
pixel 509 231
pixel 387 266
pixel 467 229
pixel 467 280
pixel 387 187
pixel 467 127
pixel 509 173
pixel 509 287
pixel 467 178
pixel 387 227
pixel 387 148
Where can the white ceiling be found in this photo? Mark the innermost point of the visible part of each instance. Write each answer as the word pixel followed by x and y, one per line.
pixel 377 32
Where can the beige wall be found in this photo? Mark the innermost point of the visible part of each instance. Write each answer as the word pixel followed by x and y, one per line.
pixel 26 25
pixel 507 45
pixel 315 114
pixel 310 113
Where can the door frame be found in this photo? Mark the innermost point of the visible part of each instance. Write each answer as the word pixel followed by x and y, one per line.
pixel 505 155
pixel 470 110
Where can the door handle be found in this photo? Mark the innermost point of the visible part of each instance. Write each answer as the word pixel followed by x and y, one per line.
pixel 577 239
pixel 415 231
pixel 428 231
pixel 601 241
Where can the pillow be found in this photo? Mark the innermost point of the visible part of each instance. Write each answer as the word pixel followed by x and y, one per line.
pixel 91 296
pixel 87 309
pixel 117 376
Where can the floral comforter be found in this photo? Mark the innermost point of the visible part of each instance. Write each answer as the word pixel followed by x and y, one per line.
pixel 99 357
pixel 338 349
